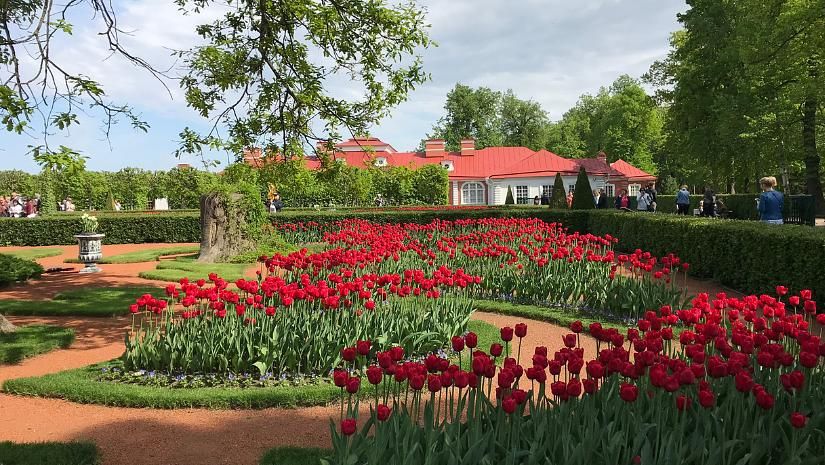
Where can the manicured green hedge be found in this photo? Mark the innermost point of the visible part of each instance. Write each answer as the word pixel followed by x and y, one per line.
pixel 119 229
pixel 745 255
pixel 13 269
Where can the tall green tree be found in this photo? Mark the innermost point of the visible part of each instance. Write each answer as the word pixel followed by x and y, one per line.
pixel 264 70
pixel 621 120
pixel 523 122
pixel 583 195
pixel 559 199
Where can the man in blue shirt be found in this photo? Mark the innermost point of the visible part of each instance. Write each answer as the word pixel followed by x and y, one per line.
pixel 770 202
pixel 682 201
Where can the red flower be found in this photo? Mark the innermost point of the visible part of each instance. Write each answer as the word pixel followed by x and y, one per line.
pixel 397 353
pixel 793 300
pixel 417 382
pixel 595 369
pixel 576 327
pixel 363 347
pixel 743 381
pixel 506 334
pixel 764 400
pixel 348 426
pixel 805 293
pixel 369 305
pixel 590 386
pixel 520 396
pixel 706 398
pixel 808 359
pixel 574 388
pixel 798 420
pixel 569 340
pixel 348 353
pixel 509 405
pixel 434 383
pixel 383 412
pixel 471 340
pixel 374 374
pixel 458 343
pixel 628 392
pixel 133 308
pixel 340 378
pixel 521 330
pixel 682 402
pixel 810 306
pixel 496 349
pixel 781 290
pixel 353 384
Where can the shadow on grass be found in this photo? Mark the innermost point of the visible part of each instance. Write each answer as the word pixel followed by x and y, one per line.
pixel 82 301
pixel 32 340
pixel 48 453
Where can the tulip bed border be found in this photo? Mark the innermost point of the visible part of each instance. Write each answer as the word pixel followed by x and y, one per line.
pixel 81 385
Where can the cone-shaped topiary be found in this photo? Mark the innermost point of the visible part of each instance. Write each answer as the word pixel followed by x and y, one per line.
pixel 583 196
pixel 509 200
pixel 558 200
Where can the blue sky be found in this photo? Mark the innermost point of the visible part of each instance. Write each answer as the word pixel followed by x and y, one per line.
pixel 551 51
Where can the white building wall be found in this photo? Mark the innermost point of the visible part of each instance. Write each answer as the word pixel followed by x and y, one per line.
pixel 456 193
pixel 498 187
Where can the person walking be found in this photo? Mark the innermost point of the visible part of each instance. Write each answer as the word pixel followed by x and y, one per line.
pixel 622 200
pixel 709 203
pixel 682 201
pixel 770 202
pixel 569 200
pixel 643 201
pixel 601 204
pixel 651 191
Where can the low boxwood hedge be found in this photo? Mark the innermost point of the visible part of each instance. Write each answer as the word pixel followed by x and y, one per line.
pixel 13 269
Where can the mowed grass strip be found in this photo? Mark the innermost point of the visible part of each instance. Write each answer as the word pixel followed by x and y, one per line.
pixel 33 340
pixel 148 255
pixel 49 453
pixel 34 254
pixel 81 385
pixel 184 267
pixel 95 301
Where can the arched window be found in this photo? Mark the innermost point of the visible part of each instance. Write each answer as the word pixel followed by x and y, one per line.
pixel 472 193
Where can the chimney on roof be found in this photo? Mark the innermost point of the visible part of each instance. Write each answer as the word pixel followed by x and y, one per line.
pixel 434 148
pixel 184 166
pixel 602 156
pixel 468 147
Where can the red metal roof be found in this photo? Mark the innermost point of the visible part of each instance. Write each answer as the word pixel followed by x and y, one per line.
pixel 631 172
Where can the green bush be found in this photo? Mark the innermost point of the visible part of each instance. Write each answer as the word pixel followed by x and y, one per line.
pixel 558 200
pixel 13 269
pixel 509 199
pixel 583 195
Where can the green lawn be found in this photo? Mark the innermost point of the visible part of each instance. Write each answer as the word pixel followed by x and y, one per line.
pixel 148 255
pixel 82 385
pixel 33 340
pixel 184 267
pixel 48 453
pixel 294 456
pixel 102 301
pixel 34 254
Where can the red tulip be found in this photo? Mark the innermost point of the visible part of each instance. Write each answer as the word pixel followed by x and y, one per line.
pixel 706 398
pixel 509 405
pixel 434 383
pixel 569 340
pixel 374 374
pixel 628 392
pixel 781 290
pixel 383 412
pixel 340 378
pixel 521 330
pixel 810 306
pixel 348 426
pixel 506 334
pixel 471 340
pixel 458 343
pixel 417 382
pixel 682 402
pixel 348 354
pixel 576 327
pixel 353 384
pixel 497 349
pixel 794 300
pixel 798 420
pixel 363 347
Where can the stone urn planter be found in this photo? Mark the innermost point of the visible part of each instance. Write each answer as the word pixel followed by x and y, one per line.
pixel 91 251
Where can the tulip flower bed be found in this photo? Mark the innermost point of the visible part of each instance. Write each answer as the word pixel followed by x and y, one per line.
pixel 524 261
pixel 272 326
pixel 743 385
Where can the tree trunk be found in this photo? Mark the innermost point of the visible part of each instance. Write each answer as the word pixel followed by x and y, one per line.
pixel 224 233
pixel 6 326
pixel 813 183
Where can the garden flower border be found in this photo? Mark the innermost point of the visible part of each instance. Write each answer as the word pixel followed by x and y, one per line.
pixel 82 386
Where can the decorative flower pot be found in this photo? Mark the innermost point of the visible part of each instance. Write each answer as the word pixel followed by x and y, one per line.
pixel 90 251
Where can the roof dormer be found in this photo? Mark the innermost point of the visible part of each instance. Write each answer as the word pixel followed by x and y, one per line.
pixel 448 165
pixel 380 161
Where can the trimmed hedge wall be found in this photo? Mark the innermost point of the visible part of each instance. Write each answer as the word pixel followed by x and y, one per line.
pixel 126 229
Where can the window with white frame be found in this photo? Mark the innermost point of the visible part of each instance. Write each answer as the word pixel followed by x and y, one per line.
pixel 472 193
pixel 547 191
pixel 610 190
pixel 380 161
pixel 633 189
pixel 521 195
pixel 571 188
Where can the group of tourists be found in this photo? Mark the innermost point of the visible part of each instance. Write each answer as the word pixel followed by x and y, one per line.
pixel 18 206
